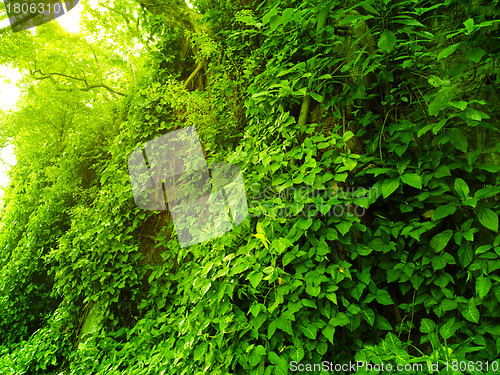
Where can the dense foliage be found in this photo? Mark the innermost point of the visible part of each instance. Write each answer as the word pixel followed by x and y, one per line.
pixel 367 135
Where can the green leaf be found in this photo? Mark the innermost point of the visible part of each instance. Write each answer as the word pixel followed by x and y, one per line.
pixel 389 186
pixel 255 277
pixel 248 19
pixel 281 244
pixel 412 179
pixel 459 104
pixel 200 351
pixel 448 329
pixel 383 297
pixel 408 64
pixel 309 330
pixel 444 211
pixel 269 15
pixel 488 218
pixel 291 69
pixel 408 21
pixel 309 303
pixel 344 226
pixel 462 188
pixel 341 177
pixel 449 304
pixel 438 262
pixel 332 297
pixel 439 126
pixel 347 136
pixel 393 274
pixel 469 24
pixel 332 234
pixel 368 315
pixel 416 280
pixel 458 139
pixel 316 97
pixel 475 115
pixel 256 355
pixel 476 54
pixel 440 240
pixel 378 244
pixel 353 18
pixel 465 254
pixel 329 332
pixel 349 163
pixel 441 101
pixel 363 250
pixel 284 324
pixel 424 130
pixel 255 309
pixel 239 268
pixel 448 51
pixel 262 237
pixel 483 249
pixel 487 192
pixel 471 313
pixel 321 348
pixel 297 353
pixel 392 341
pixel 427 325
pixel 281 365
pixel 272 328
pixel 387 41
pixel 288 257
pixel 340 320
pixel 287 15
pixel 383 324
pixel 304 223
pixel 483 286
pixel 313 290
pixel 442 171
pixel 492 168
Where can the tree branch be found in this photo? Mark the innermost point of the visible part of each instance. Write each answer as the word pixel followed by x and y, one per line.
pixel 134 31
pixel 93 52
pixel 87 87
pixel 176 12
pixel 192 75
pixel 48 75
pixel 91 87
